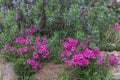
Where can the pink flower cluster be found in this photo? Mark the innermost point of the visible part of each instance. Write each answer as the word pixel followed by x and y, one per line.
pixel 22 40
pixel 73 56
pixel 33 63
pixel 21 50
pixel 7 46
pixel 30 30
pixel 109 59
pixel 113 59
pixel 41 47
pixel 35 56
pixel 116 27
pixel 37 48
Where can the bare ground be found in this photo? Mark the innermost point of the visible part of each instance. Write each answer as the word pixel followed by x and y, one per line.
pixel 6 70
pixel 49 71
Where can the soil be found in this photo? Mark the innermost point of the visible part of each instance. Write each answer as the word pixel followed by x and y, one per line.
pixel 6 70
pixel 49 71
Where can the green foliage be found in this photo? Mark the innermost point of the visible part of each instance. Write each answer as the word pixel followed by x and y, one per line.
pixel 91 72
pixel 8 36
pixel 64 75
pixel 56 50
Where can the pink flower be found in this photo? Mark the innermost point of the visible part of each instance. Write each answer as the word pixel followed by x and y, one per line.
pixel 88 40
pixel 30 30
pixel 66 45
pixel 3 50
pixel 7 46
pixel 70 63
pixel 88 53
pixel 19 40
pixel 43 48
pixel 25 49
pixel 108 64
pixel 38 38
pixel 45 54
pixel 12 48
pixel 28 61
pixel 35 56
pixel 113 59
pixel 100 61
pixel 61 40
pixel 27 41
pixel 37 43
pixel 44 40
pixel 72 42
pixel 73 49
pixel 33 29
pixel 79 59
pixel 34 48
pixel 85 61
pixel 40 51
pixel 116 27
pixel 83 46
pixel 35 65
pixel 19 51
pixel 97 51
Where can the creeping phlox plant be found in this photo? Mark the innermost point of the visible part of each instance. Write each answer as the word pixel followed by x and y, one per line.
pixel 78 54
pixel 30 50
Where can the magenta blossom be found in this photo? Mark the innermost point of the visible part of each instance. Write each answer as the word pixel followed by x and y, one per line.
pixel 7 46
pixel 100 61
pixel 113 59
pixel 19 40
pixel 19 51
pixel 30 30
pixel 83 46
pixel 26 41
pixel 35 56
pixel 35 65
pixel 88 40
pixel 12 48
pixel 25 49
pixel 116 27
pixel 28 61
pixel 3 50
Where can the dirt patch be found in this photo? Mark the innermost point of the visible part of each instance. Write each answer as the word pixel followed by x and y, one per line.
pixel 6 70
pixel 49 71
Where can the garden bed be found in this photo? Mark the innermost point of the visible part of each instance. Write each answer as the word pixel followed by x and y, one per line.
pixel 48 71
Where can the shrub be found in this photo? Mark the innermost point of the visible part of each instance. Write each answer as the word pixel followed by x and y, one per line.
pixel 86 62
pixel 26 53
